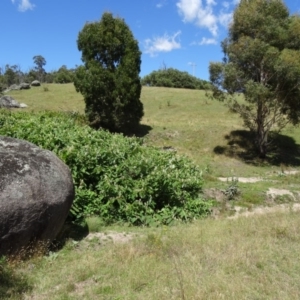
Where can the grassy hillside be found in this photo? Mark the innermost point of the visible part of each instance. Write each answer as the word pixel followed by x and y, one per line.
pixel 193 125
pixel 243 258
pixel 187 120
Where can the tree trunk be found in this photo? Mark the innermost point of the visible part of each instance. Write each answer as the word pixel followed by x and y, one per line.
pixel 262 141
pixel 262 132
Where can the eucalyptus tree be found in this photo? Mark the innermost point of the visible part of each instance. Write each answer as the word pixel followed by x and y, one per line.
pixel 40 62
pixel 261 61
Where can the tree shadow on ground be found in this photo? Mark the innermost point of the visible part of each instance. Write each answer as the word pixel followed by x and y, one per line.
pixel 241 145
pixel 140 131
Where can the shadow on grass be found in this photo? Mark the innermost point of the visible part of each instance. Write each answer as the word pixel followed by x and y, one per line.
pixel 241 145
pixel 141 130
pixel 70 230
pixel 12 285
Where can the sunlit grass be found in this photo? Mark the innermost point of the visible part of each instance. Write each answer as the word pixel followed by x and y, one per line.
pixel 246 258
pixel 193 125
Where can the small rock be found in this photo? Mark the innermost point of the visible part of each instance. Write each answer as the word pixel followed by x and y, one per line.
pixel 15 87
pixel 35 83
pixel 24 86
pixel 23 105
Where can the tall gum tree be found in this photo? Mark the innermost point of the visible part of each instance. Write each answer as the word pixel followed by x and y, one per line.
pixel 262 62
pixel 40 62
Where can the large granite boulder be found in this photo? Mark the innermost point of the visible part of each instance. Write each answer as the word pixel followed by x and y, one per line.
pixel 10 102
pixel 36 193
pixel 35 83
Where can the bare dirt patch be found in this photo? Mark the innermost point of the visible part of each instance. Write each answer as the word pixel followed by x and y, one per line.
pixel 273 193
pixel 261 210
pixel 241 179
pixel 254 179
pixel 111 236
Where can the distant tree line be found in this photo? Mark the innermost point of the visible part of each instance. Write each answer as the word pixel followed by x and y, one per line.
pixel 12 74
pixel 173 78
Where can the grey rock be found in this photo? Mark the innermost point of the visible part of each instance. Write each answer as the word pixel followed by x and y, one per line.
pixel 8 101
pixel 36 193
pixel 35 83
pixel 23 105
pixel 24 86
pixel 14 87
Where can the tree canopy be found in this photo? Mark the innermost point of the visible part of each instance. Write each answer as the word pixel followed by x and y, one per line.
pixel 261 61
pixel 63 75
pixel 109 79
pixel 169 77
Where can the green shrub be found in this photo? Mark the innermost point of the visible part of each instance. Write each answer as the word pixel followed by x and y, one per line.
pixel 170 77
pixel 116 178
pixel 232 191
pixel 109 80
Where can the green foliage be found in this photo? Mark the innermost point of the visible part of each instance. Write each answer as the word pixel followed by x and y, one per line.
pixel 2 81
pixel 11 75
pixel 31 75
pixel 262 61
pixel 174 78
pixel 94 224
pixel 1 88
pixel 116 178
pixel 109 79
pixel 63 75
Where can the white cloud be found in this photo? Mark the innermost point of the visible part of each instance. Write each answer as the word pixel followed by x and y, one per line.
pixel 189 9
pixel 210 2
pixel 24 5
pixel 208 20
pixel 206 13
pixel 208 41
pixel 161 3
pixel 194 11
pixel 165 43
pixel 225 18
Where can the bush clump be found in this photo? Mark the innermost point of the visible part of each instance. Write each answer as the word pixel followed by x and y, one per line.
pixel 109 79
pixel 116 178
pixel 174 78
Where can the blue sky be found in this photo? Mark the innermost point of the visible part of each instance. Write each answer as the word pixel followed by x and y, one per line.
pixel 182 34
